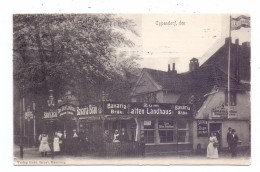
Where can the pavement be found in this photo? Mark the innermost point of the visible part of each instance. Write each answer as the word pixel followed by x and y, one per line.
pixel 33 157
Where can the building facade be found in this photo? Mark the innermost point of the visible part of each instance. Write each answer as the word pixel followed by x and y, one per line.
pixel 205 87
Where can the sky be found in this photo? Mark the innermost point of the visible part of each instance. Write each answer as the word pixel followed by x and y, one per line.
pixel 184 36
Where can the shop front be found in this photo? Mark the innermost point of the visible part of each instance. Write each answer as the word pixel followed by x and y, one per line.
pixel 217 120
pixel 115 128
pixel 163 128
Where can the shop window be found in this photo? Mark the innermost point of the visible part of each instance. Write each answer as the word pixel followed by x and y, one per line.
pixel 148 130
pixel 167 131
pixel 184 131
pixel 232 99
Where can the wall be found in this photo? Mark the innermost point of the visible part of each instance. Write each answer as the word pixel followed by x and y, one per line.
pixel 241 124
pixel 170 97
pixel 215 100
pixel 242 129
pixel 145 85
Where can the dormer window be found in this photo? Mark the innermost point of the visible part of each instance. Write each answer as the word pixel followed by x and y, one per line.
pixel 232 98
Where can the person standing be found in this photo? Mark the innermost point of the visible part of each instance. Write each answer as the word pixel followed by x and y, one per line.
pixel 116 137
pixel 75 142
pixel 229 135
pixel 106 137
pixel 44 145
pixel 218 136
pixel 60 135
pixel 82 141
pixel 233 143
pixel 123 136
pixel 56 143
pixel 212 151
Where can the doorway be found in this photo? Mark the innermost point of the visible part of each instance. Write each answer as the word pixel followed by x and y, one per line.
pixel 216 128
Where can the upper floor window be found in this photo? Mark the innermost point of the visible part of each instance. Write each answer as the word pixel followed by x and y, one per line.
pixel 232 98
pixel 150 98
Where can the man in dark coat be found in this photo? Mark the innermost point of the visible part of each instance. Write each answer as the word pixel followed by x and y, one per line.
pixel 123 137
pixel 229 135
pixel 233 143
pixel 75 142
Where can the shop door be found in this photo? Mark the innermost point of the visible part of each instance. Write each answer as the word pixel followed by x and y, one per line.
pixel 216 128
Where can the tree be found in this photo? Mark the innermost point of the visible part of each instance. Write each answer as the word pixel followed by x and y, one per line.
pixel 72 52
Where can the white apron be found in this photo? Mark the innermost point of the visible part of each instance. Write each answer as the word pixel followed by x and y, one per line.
pixel 44 146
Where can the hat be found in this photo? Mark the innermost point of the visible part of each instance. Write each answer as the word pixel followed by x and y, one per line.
pixel 233 130
pixel 229 128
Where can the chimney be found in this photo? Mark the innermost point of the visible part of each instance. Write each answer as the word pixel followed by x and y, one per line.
pixel 228 39
pixel 173 71
pixel 246 44
pixel 173 66
pixel 194 64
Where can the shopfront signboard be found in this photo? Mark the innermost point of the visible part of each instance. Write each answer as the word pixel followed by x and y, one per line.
pixel 166 125
pixel 119 108
pixel 66 109
pixel 50 115
pixel 222 112
pixel 202 128
pixel 89 109
pixel 112 108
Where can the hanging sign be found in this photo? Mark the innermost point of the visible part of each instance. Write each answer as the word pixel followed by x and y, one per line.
pixel 28 115
pixel 50 115
pixel 66 110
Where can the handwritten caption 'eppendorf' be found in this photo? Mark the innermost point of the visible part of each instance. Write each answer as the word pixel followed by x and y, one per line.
pixel 169 23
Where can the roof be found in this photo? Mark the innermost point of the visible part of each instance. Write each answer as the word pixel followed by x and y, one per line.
pixel 194 85
pixel 198 83
pixel 220 59
pixel 167 80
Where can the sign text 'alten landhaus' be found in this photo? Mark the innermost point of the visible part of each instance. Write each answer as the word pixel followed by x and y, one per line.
pixel 114 108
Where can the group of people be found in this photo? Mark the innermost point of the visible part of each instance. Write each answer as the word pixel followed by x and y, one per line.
pixel 45 143
pixel 116 137
pixel 58 143
pixel 214 141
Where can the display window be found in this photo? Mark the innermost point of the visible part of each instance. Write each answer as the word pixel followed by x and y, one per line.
pixel 167 131
pixel 148 130
pixel 184 131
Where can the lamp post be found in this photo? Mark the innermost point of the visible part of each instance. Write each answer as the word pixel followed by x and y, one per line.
pixel 28 115
pixel 51 105
pixel 34 126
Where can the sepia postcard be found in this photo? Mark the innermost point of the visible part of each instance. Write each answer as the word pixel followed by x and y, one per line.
pixel 131 89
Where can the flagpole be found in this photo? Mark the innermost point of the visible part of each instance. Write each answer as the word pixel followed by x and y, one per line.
pixel 229 49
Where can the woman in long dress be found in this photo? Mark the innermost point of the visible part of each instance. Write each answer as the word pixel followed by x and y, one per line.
pixel 44 145
pixel 56 143
pixel 212 151
pixel 116 137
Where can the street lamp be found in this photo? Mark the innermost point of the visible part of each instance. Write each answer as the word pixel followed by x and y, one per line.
pixel 51 105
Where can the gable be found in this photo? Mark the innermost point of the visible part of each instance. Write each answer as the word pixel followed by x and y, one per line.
pixel 145 84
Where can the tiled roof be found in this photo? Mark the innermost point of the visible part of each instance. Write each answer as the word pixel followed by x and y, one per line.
pixel 168 80
pixel 198 83
pixel 194 85
pixel 220 59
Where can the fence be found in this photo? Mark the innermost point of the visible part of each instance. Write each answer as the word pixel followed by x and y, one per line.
pixel 129 149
